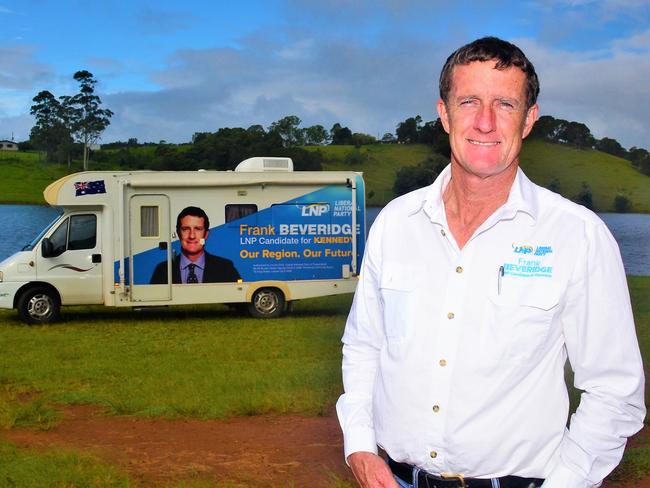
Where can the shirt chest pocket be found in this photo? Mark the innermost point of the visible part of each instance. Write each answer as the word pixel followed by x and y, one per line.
pixel 517 328
pixel 400 288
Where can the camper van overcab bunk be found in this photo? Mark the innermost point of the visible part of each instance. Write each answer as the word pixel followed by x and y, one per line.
pixel 262 235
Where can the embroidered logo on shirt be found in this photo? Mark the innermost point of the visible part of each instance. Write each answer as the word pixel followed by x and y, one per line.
pixel 534 250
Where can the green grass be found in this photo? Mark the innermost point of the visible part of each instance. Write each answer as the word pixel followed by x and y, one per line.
pixel 23 177
pixel 379 168
pixel 204 362
pixel 61 468
pixel 605 174
pixel 200 362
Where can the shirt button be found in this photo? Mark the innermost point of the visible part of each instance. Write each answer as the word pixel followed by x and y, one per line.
pixel 450 315
pixel 442 231
pixel 442 362
pixel 433 454
pixel 436 408
pixel 459 269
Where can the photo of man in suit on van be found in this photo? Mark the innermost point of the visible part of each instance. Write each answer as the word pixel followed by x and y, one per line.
pixel 195 264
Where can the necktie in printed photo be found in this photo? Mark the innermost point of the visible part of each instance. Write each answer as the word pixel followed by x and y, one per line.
pixel 191 276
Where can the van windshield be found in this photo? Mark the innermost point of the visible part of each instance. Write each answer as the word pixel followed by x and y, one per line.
pixel 37 239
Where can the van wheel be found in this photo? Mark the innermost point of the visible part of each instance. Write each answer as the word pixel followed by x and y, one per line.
pixel 267 303
pixel 39 306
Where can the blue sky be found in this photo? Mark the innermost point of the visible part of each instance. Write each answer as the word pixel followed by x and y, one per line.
pixel 169 69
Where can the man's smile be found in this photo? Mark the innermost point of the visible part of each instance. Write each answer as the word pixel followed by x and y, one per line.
pixel 483 143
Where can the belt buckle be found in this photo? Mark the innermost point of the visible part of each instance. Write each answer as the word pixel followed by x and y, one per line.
pixel 456 476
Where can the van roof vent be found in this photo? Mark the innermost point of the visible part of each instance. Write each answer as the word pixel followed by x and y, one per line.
pixel 265 164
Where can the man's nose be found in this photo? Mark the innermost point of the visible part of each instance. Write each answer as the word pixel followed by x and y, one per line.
pixel 485 120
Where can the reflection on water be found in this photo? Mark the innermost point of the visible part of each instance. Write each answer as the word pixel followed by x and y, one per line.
pixel 632 232
pixel 21 223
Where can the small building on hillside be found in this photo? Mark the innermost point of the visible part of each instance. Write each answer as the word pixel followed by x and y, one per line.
pixel 6 145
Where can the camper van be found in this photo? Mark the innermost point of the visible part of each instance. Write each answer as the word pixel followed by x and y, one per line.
pixel 262 235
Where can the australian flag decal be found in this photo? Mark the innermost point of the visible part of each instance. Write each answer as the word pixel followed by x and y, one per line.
pixel 89 187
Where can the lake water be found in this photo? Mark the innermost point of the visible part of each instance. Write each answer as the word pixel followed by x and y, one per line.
pixel 632 231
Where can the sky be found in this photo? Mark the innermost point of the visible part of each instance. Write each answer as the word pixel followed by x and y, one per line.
pixel 168 69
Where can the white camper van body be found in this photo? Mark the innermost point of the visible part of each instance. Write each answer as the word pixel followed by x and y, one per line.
pixel 283 235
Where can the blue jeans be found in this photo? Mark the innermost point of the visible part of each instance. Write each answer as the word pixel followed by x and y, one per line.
pixel 402 483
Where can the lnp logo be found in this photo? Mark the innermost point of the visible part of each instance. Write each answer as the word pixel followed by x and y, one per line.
pixel 537 251
pixel 315 209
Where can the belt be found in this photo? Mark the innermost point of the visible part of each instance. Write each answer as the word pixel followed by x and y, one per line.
pixel 450 480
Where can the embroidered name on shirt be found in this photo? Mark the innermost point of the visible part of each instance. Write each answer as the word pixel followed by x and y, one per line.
pixel 528 268
pixel 535 251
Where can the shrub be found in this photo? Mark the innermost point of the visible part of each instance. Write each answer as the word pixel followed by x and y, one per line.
pixel 411 178
pixel 622 203
pixel 584 197
pixel 554 185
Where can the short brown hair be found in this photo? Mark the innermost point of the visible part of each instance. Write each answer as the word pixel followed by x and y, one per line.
pixel 504 53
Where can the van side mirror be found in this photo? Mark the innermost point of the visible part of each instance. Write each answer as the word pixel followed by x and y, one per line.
pixel 47 250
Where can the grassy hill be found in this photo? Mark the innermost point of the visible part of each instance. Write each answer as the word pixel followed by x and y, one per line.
pixel 542 161
pixel 23 176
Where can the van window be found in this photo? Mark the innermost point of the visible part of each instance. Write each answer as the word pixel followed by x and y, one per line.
pixel 236 211
pixel 59 238
pixel 149 224
pixel 83 232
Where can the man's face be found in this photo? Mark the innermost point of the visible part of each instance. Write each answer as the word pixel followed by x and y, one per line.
pixel 486 117
pixel 192 236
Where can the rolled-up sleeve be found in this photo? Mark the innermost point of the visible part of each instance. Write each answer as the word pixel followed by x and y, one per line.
pixel 362 341
pixel 604 354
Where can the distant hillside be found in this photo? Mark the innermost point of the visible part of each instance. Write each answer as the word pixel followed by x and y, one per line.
pixel 23 176
pixel 542 162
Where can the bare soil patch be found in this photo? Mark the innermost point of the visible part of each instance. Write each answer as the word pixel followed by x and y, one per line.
pixel 260 451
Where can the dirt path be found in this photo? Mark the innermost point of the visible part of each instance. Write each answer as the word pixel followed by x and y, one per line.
pixel 259 451
pixel 262 451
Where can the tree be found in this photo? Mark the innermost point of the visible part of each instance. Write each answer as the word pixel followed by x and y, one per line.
pixel 88 120
pixel 316 135
pixel 409 131
pixel 287 128
pixel 611 146
pixel 578 135
pixel 388 138
pixel 51 130
pixel 340 135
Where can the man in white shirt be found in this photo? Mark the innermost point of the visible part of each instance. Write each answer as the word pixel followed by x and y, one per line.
pixel 473 292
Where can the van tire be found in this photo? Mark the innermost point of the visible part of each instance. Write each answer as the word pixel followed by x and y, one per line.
pixel 39 306
pixel 267 303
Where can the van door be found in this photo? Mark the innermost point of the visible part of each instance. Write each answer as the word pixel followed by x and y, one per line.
pixel 150 248
pixel 74 264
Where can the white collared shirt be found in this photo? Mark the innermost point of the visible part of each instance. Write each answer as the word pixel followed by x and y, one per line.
pixel 453 360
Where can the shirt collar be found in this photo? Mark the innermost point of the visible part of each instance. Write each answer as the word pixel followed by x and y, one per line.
pixel 522 198
pixel 199 262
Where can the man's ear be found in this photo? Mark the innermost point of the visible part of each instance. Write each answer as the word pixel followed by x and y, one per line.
pixel 444 115
pixel 529 122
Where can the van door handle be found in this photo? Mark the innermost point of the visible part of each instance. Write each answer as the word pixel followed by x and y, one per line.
pixel 97 258
pixel 162 246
